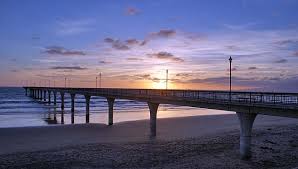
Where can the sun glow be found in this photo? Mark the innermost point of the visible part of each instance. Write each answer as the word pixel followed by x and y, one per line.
pixel 159 84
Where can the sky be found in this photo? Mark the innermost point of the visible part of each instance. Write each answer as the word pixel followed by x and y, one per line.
pixel 132 43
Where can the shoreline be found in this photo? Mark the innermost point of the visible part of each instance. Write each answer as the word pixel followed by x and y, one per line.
pixel 274 145
pixel 40 138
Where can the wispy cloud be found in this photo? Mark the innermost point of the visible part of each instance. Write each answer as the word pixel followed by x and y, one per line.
pixel 252 68
pixel 68 68
pixel 134 59
pixel 58 50
pixel 73 27
pixel 281 61
pixel 165 56
pixel 117 44
pixel 132 11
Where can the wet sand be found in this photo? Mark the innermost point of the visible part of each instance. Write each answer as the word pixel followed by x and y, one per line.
pixel 189 142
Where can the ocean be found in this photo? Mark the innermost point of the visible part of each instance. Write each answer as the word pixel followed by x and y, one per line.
pixel 19 110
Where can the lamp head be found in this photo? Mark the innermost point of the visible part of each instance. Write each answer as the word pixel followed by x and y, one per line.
pixel 230 59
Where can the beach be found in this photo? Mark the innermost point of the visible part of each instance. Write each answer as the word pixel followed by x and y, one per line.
pixel 185 142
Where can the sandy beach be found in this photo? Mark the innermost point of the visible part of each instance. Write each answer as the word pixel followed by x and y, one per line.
pixel 188 142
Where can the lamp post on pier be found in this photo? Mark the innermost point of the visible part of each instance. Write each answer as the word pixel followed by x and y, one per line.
pixel 167 78
pixel 100 80
pixel 230 60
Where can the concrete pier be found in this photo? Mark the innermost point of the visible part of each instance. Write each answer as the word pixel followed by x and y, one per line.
pixel 153 115
pixel 87 98
pixel 72 96
pixel 62 100
pixel 246 104
pixel 246 123
pixel 111 110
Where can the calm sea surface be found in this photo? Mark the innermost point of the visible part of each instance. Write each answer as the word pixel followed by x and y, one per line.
pixel 18 110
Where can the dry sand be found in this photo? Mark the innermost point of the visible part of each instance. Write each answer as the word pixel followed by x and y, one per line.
pixel 189 142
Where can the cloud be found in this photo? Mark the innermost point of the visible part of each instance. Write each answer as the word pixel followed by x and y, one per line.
pixel 73 27
pixel 117 44
pixel 14 70
pixel 165 56
pixel 281 61
pixel 183 75
pixel 252 68
pixel 164 33
pixel 132 42
pixel 286 42
pixel 57 50
pixel 142 77
pixel 296 53
pixel 104 62
pixel 68 68
pixel 134 59
pixel 132 11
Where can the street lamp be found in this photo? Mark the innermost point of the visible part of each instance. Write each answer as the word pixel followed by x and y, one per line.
pixel 96 82
pixel 100 80
pixel 167 78
pixel 65 82
pixel 230 59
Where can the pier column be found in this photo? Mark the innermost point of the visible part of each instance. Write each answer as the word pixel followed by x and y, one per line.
pixel 44 95
pixel 87 98
pixel 62 100
pixel 26 90
pixel 38 96
pixel 111 110
pixel 49 95
pixel 153 114
pixel 72 106
pixel 55 97
pixel 246 123
pixel 34 93
pixel 62 116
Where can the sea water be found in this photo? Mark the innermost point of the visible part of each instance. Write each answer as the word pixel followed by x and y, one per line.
pixel 19 110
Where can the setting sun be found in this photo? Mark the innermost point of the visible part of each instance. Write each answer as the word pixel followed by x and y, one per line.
pixel 159 85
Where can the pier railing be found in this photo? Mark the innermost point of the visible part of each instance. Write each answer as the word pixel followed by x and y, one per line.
pixel 289 100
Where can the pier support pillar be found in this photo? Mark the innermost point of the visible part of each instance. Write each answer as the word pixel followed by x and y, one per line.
pixel 49 95
pixel 246 123
pixel 72 107
pixel 153 115
pixel 55 97
pixel 87 98
pixel 62 116
pixel 111 110
pixel 34 94
pixel 62 101
pixel 44 95
pixel 38 96
pixel 26 90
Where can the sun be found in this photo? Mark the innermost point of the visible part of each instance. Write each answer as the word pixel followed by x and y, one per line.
pixel 159 85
